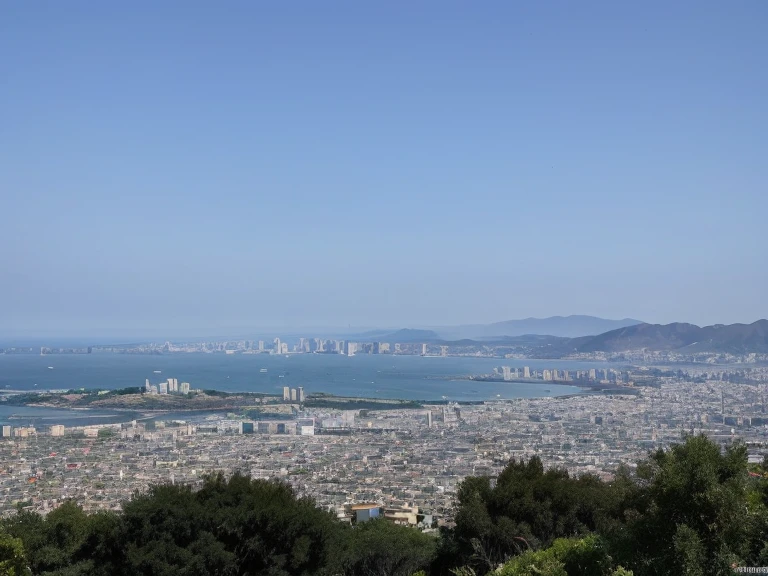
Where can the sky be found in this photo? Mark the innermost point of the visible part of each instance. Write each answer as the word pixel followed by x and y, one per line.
pixel 194 167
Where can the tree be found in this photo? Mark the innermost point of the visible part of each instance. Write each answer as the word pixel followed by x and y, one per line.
pixel 12 559
pixel 527 509
pixel 690 514
pixel 380 548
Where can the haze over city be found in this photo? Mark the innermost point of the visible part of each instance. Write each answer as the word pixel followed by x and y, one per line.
pixel 193 169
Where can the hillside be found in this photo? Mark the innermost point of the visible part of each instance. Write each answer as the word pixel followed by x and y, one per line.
pixel 719 338
pixel 562 326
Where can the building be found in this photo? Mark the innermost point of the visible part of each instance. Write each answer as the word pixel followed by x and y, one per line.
pixel 526 372
pixel 57 430
pixel 306 427
pixel 423 349
pixel 24 432
pixel 261 345
pixel 246 428
pixel 163 387
pixel 293 394
pixel 300 394
pixel 402 515
pixel 365 512
pixel 286 393
pixel 184 388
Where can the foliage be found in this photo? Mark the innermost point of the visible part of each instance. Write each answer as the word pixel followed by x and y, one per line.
pixel 12 559
pixel 566 557
pixel 690 512
pixel 527 509
pixel 229 526
pixel 380 548
pixel 693 509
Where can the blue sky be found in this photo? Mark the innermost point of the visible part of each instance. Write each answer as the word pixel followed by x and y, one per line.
pixel 188 167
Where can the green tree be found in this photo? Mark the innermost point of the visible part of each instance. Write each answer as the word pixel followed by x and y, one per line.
pixel 690 513
pixel 13 561
pixel 380 548
pixel 527 509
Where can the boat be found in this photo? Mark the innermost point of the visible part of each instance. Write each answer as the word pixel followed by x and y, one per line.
pixel 158 371
pixel 263 370
pixel 50 367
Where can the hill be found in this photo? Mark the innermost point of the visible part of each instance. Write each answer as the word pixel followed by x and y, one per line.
pixel 719 338
pixel 562 326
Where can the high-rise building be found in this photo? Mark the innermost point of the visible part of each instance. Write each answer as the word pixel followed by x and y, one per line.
pixel 429 418
pixel 301 394
pixel 286 393
pixel 293 394
pixel 5 431
pixel 278 347
pixel 506 372
pixel 184 388
pixel 261 345
pixel 423 349
pixel 163 387
pixel 526 372
pixel 57 430
pixel 351 348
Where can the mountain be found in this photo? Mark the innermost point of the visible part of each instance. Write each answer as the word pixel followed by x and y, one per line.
pixel 562 326
pixel 720 338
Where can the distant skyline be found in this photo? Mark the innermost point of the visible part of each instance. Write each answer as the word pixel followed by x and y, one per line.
pixel 187 168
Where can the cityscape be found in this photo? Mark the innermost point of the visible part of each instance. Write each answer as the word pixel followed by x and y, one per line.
pixel 383 289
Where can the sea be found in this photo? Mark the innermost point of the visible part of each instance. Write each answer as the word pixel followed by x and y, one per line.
pixel 369 376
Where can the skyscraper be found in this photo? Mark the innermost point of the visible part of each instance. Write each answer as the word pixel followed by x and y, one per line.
pixel 286 393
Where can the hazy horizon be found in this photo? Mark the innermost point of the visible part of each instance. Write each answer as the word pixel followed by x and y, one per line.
pixel 187 168
pixel 233 332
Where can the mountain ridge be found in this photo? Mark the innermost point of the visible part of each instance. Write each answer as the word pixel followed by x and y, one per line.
pixel 571 326
pixel 679 336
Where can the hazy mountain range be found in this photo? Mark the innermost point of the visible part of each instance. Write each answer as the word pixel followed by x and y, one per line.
pixel 531 336
pixel 564 326
pixel 730 338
